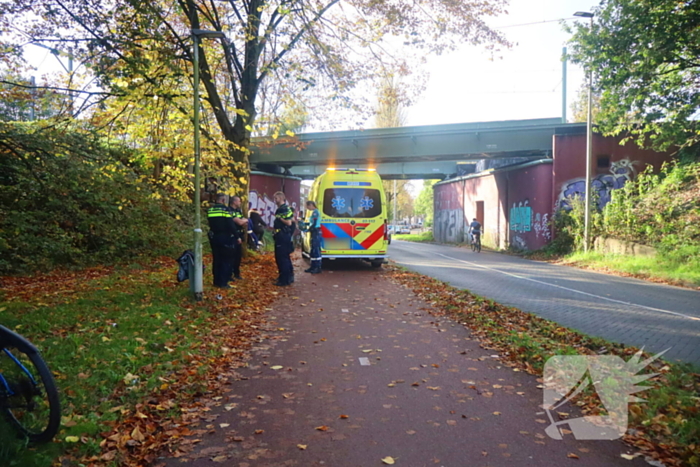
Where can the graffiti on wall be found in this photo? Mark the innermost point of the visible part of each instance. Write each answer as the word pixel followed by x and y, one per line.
pixel 519 243
pixel 449 225
pixel 542 227
pixel 621 172
pixel 521 217
pixel 265 206
pixel 522 220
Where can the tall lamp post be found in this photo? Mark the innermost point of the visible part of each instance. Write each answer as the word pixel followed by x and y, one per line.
pixel 589 144
pixel 198 288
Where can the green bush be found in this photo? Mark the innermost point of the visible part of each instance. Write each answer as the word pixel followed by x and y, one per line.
pixel 67 199
pixel 660 210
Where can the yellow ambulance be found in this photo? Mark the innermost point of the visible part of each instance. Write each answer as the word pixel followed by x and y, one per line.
pixel 352 204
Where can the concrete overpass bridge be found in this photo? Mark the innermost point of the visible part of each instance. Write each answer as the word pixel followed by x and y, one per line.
pixel 428 152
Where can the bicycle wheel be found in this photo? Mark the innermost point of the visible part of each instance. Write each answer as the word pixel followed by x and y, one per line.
pixel 473 245
pixel 28 395
pixel 478 246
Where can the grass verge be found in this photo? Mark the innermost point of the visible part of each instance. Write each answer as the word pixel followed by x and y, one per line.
pixel 132 355
pixel 666 427
pixel 421 237
pixel 659 268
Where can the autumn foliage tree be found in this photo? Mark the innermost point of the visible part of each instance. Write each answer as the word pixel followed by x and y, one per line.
pixel 142 51
pixel 644 57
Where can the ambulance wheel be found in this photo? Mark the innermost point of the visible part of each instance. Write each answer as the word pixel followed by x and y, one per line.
pixel 377 263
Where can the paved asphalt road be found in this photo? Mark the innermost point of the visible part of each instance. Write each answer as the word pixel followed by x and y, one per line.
pixel 619 309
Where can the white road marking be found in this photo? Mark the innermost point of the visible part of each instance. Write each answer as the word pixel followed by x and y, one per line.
pixel 572 290
pixel 681 315
pixel 364 361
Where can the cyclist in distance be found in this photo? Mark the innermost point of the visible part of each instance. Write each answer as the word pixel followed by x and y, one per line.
pixel 475 231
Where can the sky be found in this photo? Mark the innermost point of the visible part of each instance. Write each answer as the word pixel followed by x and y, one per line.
pixel 468 86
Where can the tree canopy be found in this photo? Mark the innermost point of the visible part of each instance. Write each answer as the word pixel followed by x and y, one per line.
pixel 140 53
pixel 644 56
pixel 424 202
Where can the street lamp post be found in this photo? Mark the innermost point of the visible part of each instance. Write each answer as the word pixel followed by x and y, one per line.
pixel 198 288
pixel 589 144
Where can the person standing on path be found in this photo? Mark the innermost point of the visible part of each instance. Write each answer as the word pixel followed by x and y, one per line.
pixel 241 224
pixel 259 224
pixel 314 228
pixel 283 231
pixel 222 238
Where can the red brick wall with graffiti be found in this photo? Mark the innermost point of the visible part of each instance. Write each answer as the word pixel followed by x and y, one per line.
pixel 612 166
pixel 448 215
pixel 530 206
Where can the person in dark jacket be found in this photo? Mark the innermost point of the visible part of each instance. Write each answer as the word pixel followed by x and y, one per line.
pixel 283 231
pixel 222 237
pixel 241 226
pixel 259 224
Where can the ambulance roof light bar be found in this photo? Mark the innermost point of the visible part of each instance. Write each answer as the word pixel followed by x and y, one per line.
pixel 334 169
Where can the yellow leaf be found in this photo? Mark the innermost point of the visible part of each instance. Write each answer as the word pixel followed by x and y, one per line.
pixel 130 379
pixel 105 339
pixel 289 133
pixel 276 367
pixel 72 439
pixel 388 460
pixel 137 435
pixel 302 446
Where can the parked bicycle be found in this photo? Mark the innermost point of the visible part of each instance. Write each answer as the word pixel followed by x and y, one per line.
pixel 28 395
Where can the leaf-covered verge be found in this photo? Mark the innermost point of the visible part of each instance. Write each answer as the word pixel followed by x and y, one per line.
pixel 68 198
pixel 666 427
pixel 137 363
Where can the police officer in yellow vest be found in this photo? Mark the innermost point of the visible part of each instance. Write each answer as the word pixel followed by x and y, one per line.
pixel 222 238
pixel 241 224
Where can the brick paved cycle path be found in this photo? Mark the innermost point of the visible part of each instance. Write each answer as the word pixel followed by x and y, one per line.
pixel 366 372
